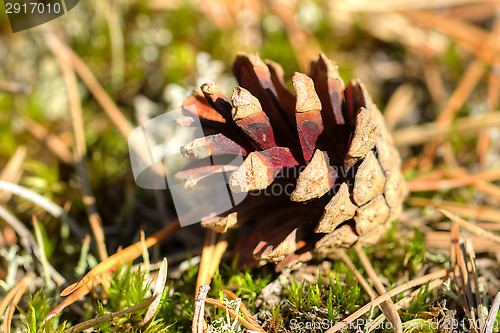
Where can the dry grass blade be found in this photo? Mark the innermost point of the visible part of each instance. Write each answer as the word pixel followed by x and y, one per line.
pixel 467 84
pixel 476 212
pixel 362 281
pixel 43 202
pixel 464 273
pixel 417 185
pixel 80 149
pixel 479 300
pixel 97 321
pixel 159 287
pixel 454 236
pixel 96 89
pixel 385 308
pixel 402 303
pixel 464 126
pixel 145 254
pixel 470 227
pixel 399 105
pixel 304 44
pixel 206 258
pixel 10 295
pixel 433 79
pixel 233 314
pixel 20 288
pixel 75 296
pixel 243 308
pixel 129 253
pixel 465 276
pixel 471 37
pixel 441 240
pixel 43 258
pixel 12 171
pixel 488 188
pixel 438 276
pixel 55 144
pixel 390 309
pixel 491 320
pixel 28 242
pixel 484 139
pixel 34 197
pixel 388 5
pixel 110 108
pixel 219 250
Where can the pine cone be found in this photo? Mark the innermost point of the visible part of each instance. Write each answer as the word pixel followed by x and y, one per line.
pixel 320 167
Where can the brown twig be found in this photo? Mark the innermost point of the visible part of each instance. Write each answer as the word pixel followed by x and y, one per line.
pixel 199 308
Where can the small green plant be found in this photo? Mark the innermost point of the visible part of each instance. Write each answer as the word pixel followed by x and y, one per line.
pixel 416 252
pixel 326 301
pixel 246 285
pixel 127 288
pixel 419 303
pixel 39 307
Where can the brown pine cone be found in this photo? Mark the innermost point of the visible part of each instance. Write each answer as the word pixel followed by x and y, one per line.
pixel 320 166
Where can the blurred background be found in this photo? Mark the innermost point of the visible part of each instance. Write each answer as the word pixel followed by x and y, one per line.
pixel 421 61
pixel 432 67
